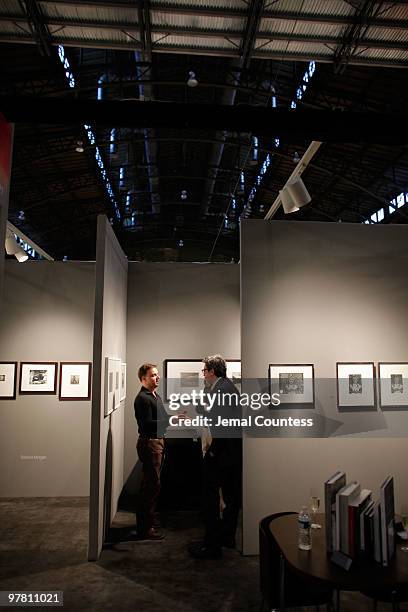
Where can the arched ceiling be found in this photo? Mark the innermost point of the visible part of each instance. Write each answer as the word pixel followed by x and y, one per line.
pixel 242 53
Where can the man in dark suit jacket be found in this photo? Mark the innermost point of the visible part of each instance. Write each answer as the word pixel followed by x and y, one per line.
pixel 222 464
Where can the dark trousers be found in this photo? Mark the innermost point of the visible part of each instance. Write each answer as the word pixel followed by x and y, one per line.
pixel 222 470
pixel 150 451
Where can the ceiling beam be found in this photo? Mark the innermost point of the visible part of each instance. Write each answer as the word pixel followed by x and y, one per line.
pixel 371 43
pixel 192 9
pixel 216 52
pixel 28 241
pixel 251 32
pixel 334 126
pixel 37 26
pixel 353 37
pixel 327 18
pixel 246 48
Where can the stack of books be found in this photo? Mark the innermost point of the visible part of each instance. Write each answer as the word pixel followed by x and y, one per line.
pixel 356 525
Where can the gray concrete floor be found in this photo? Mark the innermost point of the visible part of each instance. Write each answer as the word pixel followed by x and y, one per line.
pixel 43 545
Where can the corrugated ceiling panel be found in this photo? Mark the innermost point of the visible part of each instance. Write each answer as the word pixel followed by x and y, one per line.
pixel 10 7
pixel 196 43
pixel 385 54
pixel 398 35
pixel 6 27
pixel 230 4
pixel 324 7
pixel 395 11
pixel 283 47
pixel 319 29
pixel 92 34
pixel 276 25
pixel 197 21
pixel 299 27
pixel 107 15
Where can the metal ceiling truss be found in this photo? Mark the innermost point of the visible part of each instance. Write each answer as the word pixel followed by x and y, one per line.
pixel 210 51
pixel 192 9
pixel 255 8
pixel 65 186
pixel 48 30
pixel 353 37
pixel 333 126
pixel 37 26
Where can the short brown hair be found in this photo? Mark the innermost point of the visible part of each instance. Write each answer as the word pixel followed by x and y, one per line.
pixel 143 370
pixel 216 363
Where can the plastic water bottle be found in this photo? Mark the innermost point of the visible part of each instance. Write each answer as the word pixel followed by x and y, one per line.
pixel 305 534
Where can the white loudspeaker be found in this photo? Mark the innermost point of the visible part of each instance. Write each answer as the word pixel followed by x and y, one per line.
pixel 294 195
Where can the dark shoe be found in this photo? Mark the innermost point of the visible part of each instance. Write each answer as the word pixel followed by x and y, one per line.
pixel 228 542
pixel 195 544
pixel 152 534
pixel 204 552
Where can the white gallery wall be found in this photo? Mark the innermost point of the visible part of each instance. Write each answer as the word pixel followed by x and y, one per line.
pixel 107 432
pixel 177 311
pixel 322 293
pixel 47 315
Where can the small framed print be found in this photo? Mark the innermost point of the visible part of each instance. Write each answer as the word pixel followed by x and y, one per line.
pixel 294 383
pixel 183 376
pixel 110 383
pixel 38 378
pixel 122 381
pixel 393 379
pixel 118 372
pixel 75 380
pixel 355 384
pixel 234 372
pixel 8 379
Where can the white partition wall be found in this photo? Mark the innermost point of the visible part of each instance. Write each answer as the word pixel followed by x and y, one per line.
pixel 107 432
pixel 322 293
pixel 47 316
pixel 177 311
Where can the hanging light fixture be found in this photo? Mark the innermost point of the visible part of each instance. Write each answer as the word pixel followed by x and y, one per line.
pixel 192 81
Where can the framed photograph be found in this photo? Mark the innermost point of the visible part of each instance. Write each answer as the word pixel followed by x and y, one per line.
pixel 8 379
pixel 118 364
pixel 122 381
pixel 234 372
pixel 294 382
pixel 393 379
pixel 110 384
pixel 75 380
pixel 38 378
pixel 355 384
pixel 183 376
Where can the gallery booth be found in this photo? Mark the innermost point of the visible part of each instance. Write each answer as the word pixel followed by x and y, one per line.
pixel 305 293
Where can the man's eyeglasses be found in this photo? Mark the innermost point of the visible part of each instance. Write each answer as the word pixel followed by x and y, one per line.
pixel 205 370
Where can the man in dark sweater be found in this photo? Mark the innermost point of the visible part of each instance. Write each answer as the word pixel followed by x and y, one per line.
pixel 222 466
pixel 152 421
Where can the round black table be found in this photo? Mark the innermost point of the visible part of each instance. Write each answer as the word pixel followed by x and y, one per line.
pixel 315 563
